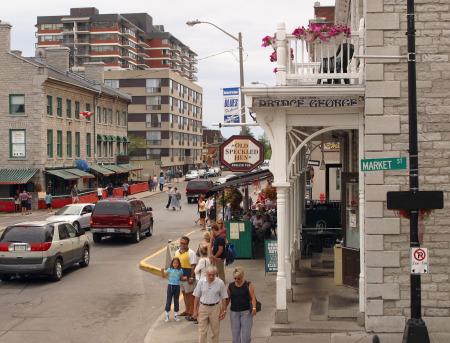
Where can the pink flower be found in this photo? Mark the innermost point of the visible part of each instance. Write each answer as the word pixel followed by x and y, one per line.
pixel 298 32
pixel 275 70
pixel 267 41
pixel 273 56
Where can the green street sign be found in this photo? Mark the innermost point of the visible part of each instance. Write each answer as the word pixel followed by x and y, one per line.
pixel 377 164
pixel 271 255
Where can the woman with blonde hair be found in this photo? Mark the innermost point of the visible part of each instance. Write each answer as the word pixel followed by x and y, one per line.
pixel 241 294
pixel 203 262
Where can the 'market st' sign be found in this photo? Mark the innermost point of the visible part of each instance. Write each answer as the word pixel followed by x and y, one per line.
pixel 241 153
pixel 377 164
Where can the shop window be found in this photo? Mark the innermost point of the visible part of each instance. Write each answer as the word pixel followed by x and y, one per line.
pixel 16 104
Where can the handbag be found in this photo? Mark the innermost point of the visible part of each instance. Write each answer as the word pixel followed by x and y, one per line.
pixel 258 303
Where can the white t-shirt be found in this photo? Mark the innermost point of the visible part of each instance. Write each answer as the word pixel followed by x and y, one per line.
pixel 200 268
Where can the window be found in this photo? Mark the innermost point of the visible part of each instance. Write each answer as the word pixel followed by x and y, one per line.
pixel 77 110
pixel 59 146
pixel 110 116
pixel 69 144
pixel 153 154
pixel 59 107
pixel 154 102
pixel 16 104
pixel 62 230
pixel 99 148
pixel 153 137
pixel 112 83
pixel 117 120
pixel 49 105
pixel 104 120
pixel 69 108
pixel 153 85
pixel 124 118
pixel 88 144
pixel 153 120
pixel 110 145
pixel 118 147
pixel 77 144
pixel 88 109
pixel 17 143
pixel 50 143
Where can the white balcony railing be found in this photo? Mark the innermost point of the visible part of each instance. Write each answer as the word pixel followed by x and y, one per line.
pixel 335 61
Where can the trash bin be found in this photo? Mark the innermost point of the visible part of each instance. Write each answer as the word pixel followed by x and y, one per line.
pixel 240 234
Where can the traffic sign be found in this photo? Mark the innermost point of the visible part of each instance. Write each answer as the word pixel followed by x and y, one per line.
pixel 377 164
pixel 419 261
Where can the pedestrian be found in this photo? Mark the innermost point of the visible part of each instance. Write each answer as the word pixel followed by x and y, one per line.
pixel 24 201
pixel 203 262
pixel 99 192
pixel 74 194
pixel 154 183
pixel 202 211
pixel 188 261
pixel 150 183
pixel 228 215
pixel 29 203
pixel 17 202
pixel 175 199
pixel 161 181
pixel 210 305
pixel 174 274
pixel 169 192
pixel 126 188
pixel 241 294
pixel 110 190
pixel 218 251
pixel 205 241
pixel 48 201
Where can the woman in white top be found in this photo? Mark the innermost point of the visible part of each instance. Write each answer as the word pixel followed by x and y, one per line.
pixel 203 263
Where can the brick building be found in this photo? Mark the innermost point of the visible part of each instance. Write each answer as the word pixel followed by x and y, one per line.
pixel 212 139
pixel 121 41
pixel 57 126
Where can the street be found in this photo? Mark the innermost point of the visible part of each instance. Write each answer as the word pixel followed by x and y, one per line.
pixel 110 301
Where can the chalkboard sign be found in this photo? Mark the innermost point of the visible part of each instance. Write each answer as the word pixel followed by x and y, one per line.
pixel 271 255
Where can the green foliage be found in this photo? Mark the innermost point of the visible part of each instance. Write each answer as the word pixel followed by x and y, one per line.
pixel 267 148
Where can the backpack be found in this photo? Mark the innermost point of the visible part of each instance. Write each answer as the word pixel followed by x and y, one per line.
pixel 230 253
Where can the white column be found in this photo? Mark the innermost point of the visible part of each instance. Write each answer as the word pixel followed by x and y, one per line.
pixel 362 289
pixel 287 243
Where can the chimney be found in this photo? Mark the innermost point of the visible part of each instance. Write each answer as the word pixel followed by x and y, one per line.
pixel 57 57
pixel 95 71
pixel 5 36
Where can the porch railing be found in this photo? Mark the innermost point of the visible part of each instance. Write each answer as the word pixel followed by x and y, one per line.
pixel 335 61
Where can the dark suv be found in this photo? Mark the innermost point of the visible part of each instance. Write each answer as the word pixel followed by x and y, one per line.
pixel 194 188
pixel 121 217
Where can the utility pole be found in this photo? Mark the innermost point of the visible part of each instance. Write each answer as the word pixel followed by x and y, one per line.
pixel 241 81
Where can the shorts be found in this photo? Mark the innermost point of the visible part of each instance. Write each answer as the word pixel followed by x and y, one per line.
pixel 186 287
pixel 49 205
pixel 24 204
pixel 203 214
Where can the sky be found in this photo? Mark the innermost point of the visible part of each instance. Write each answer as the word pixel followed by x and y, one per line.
pixel 253 18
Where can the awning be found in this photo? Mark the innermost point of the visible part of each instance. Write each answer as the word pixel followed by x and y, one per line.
pixel 16 176
pixel 100 170
pixel 115 168
pixel 110 138
pixel 80 173
pixel 104 138
pixel 125 140
pixel 99 138
pixel 118 139
pixel 130 167
pixel 63 174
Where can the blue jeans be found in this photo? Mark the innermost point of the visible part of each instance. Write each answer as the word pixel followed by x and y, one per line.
pixel 173 291
pixel 241 326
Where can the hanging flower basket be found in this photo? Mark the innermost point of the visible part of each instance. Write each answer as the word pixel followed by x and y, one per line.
pixel 424 214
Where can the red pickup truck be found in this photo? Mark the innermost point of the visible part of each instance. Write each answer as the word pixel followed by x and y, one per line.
pixel 195 188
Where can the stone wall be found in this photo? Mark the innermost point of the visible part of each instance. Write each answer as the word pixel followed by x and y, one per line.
pixel 386 135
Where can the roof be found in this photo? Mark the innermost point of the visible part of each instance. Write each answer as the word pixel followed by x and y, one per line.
pixel 100 170
pixel 241 180
pixel 16 176
pixel 115 168
pixel 80 173
pixel 63 174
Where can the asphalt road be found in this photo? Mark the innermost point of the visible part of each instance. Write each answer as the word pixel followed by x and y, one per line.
pixel 110 301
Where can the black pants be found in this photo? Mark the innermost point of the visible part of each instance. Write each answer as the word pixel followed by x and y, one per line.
pixel 161 187
pixel 168 201
pixel 173 292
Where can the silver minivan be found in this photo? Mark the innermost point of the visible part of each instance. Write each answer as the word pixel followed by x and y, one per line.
pixel 42 248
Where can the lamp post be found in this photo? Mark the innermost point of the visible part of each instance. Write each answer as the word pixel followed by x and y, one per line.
pixel 241 62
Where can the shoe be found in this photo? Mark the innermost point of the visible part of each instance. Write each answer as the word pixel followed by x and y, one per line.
pixel 166 319
pixel 195 321
pixel 190 319
pixel 183 314
pixel 176 318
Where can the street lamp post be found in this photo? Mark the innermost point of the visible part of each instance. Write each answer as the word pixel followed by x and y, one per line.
pixel 241 62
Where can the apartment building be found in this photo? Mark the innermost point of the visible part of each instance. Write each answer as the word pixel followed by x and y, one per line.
pixel 58 128
pixel 164 119
pixel 127 41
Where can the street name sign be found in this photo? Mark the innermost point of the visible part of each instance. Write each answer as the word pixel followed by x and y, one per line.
pixel 241 153
pixel 379 164
pixel 419 261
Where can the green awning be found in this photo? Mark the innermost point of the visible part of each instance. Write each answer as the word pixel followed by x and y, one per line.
pixel 80 173
pixel 125 140
pixel 99 138
pixel 110 138
pixel 105 138
pixel 100 170
pixel 118 139
pixel 16 176
pixel 115 168
pixel 63 174
pixel 130 167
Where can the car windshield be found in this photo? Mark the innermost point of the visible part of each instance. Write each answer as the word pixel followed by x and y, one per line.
pixel 68 210
pixel 198 185
pixel 113 208
pixel 27 234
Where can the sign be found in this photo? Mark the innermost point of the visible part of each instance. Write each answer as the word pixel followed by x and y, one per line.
pixel 172 248
pixel 313 163
pixel 377 164
pixel 232 110
pixel 331 146
pixel 310 102
pixel 241 153
pixel 419 261
pixel 271 255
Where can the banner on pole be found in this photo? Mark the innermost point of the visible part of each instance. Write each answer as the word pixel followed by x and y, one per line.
pixel 231 106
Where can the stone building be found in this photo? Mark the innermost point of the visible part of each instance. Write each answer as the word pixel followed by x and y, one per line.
pixel 358 95
pixel 57 126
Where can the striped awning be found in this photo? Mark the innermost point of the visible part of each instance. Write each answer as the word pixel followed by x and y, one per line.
pixel 125 140
pixel 63 174
pixel 100 170
pixel 80 173
pixel 99 138
pixel 115 168
pixel 16 176
pixel 110 138
pixel 118 139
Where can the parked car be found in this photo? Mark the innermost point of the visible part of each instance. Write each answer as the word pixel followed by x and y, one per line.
pixel 202 173
pixel 195 188
pixel 211 172
pixel 42 247
pixel 224 179
pixel 79 215
pixel 218 171
pixel 191 175
pixel 121 217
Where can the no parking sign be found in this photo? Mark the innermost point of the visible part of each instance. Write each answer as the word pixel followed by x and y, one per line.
pixel 419 261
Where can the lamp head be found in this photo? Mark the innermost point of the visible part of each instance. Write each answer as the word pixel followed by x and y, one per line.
pixel 193 22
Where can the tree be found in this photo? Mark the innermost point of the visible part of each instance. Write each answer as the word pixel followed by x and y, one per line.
pixel 245 131
pixel 267 148
pixel 137 145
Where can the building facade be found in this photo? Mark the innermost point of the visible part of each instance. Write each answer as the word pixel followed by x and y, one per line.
pixel 164 120
pixel 121 41
pixel 362 102
pixel 212 139
pixel 57 126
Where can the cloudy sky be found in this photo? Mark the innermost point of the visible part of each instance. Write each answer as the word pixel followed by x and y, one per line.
pixel 254 18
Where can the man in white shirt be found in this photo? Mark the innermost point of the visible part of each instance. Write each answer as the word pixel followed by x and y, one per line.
pixel 210 305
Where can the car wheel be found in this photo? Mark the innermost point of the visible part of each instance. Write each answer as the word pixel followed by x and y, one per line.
pixel 149 233
pixel 57 270
pixel 5 277
pixel 137 235
pixel 86 257
pixel 76 225
pixel 97 237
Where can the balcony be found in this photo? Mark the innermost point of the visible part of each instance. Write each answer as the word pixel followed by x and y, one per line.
pixel 153 124
pixel 333 61
pixel 153 142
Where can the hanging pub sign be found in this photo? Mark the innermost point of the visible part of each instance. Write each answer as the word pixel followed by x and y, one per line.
pixel 310 101
pixel 241 153
pixel 231 106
